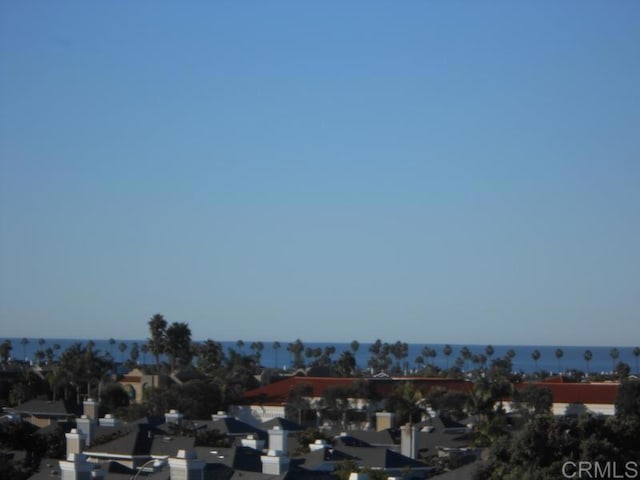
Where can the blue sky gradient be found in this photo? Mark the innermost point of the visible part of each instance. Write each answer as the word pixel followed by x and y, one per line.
pixel 461 172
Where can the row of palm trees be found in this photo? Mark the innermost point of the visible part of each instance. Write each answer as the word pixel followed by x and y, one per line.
pixel 380 350
pixel 48 354
pixel 614 353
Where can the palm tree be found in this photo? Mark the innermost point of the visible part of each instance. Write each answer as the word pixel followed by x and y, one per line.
pixel 5 350
pixel 355 346
pixel 179 348
pixel 466 355
pixel 276 346
pixel 240 345
pixel 134 353
pixel 588 355
pixel 297 349
pixel 614 353
pixel 536 356
pixel 420 362
pixel 636 353
pixel 40 355
pixel 489 350
pixel 157 342
pixel 559 355
pixel 24 342
pixel 447 350
pixel 112 342
pixel 49 353
pixel 257 348
pixel 41 342
pixel 122 347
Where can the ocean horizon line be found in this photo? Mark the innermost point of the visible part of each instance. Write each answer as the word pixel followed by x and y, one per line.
pixel 337 342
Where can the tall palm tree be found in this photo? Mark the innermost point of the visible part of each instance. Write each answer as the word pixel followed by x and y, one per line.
pixel 5 350
pixel 122 347
pixel 179 347
pixel 588 355
pixel 614 353
pixel 257 348
pixel 559 355
pixel 240 345
pixel 276 346
pixel 636 353
pixel 447 350
pixel 489 350
pixel 428 352
pixel 134 353
pixel 24 342
pixel 355 346
pixel 158 341
pixel 419 361
pixel 466 355
pixel 297 349
pixel 536 356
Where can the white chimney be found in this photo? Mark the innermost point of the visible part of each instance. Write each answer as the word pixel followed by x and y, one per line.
pixel 91 408
pixel 219 416
pixel 358 476
pixel 252 442
pixel 76 467
pixel 278 440
pixel 409 441
pixel 76 441
pixel 110 421
pixel 173 416
pixel 273 463
pixel 97 474
pixel 87 426
pixel 186 466
pixel 319 444
pixel 385 420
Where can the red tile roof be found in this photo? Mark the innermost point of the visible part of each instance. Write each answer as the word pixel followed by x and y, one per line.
pixel 563 392
pixel 594 393
pixel 278 392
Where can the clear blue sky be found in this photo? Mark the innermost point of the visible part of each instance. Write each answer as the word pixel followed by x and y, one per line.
pixel 463 172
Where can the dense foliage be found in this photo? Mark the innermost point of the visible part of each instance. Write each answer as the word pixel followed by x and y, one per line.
pixel 549 447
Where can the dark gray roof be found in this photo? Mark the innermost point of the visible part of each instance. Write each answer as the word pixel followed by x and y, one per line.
pixel 443 422
pixel 429 442
pixel 284 424
pixel 465 472
pixel 318 458
pixel 298 474
pixel 231 426
pixel 375 457
pixel 351 441
pixel 44 408
pixel 140 439
pixel 170 444
pixel 385 437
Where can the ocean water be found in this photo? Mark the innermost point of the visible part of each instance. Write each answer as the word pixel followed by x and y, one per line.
pixel 573 356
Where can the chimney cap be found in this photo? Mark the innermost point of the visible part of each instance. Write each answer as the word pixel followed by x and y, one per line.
pixel 187 454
